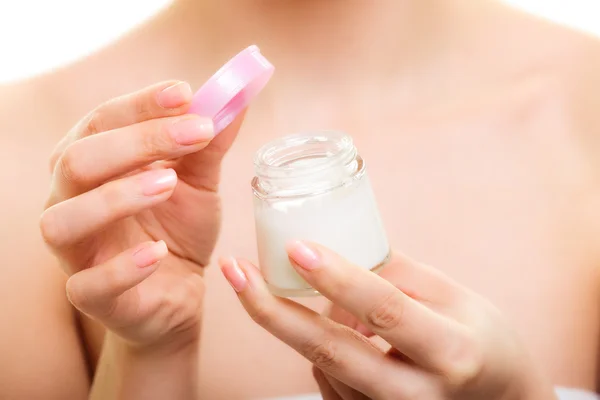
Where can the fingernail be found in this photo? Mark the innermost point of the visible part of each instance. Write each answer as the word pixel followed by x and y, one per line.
pixel 304 255
pixel 150 254
pixel 192 130
pixel 158 181
pixel 175 95
pixel 234 274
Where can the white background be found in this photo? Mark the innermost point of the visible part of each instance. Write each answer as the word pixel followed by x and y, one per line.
pixel 37 35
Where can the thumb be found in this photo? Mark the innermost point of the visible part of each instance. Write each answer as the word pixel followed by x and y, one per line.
pixel 202 169
pixel 226 94
pixel 96 291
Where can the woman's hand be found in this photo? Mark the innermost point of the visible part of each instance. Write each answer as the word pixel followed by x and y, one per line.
pixel 446 342
pixel 133 214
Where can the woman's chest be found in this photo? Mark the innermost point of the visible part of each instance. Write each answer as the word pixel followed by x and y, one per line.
pixel 470 190
pixel 498 199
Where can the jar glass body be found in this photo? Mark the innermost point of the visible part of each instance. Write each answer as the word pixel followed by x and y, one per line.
pixel 314 187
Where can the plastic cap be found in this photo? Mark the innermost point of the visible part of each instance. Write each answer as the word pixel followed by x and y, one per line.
pixel 232 87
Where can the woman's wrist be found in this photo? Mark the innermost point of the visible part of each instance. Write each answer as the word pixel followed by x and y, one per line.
pixel 158 371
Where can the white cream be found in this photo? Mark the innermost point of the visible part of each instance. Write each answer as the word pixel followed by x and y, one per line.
pixel 320 193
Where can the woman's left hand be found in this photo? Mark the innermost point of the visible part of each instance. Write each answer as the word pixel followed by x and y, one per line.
pixel 446 342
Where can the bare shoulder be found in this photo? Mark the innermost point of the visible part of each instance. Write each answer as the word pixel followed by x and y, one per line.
pixel 39 345
pixel 564 64
pixel 576 91
pixel 580 70
pixel 569 56
pixel 570 60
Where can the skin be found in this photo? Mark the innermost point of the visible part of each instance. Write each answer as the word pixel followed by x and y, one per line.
pixel 488 117
pixel 112 188
pixel 445 342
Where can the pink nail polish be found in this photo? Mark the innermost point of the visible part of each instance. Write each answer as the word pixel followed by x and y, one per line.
pixel 304 255
pixel 234 274
pixel 232 87
pixel 158 181
pixel 175 95
pixel 150 254
pixel 189 131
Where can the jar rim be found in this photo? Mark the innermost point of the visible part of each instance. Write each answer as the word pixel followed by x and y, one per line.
pixel 305 163
pixel 278 157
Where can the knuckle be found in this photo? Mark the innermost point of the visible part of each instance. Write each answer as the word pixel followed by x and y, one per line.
pixel 182 303
pixel 70 167
pixel 188 295
pixel 142 107
pixel 52 161
pixel 262 314
pixel 113 197
pixel 321 353
pixel 54 157
pixel 464 361
pixel 77 295
pixel 343 283
pixel 50 228
pixel 95 121
pixel 155 142
pixel 388 313
pixel 317 373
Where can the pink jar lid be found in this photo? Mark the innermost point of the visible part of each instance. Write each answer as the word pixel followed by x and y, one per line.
pixel 232 87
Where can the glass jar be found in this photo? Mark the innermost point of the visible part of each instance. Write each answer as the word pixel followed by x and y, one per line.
pixel 314 187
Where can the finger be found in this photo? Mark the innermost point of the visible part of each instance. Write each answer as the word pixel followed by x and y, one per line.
pixel 160 100
pixel 345 318
pixel 75 219
pixel 327 391
pixel 95 291
pixel 343 390
pixel 202 169
pixel 336 350
pixel 431 340
pixel 422 282
pixel 89 162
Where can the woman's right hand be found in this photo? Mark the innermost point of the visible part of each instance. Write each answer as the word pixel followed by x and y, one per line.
pixel 133 184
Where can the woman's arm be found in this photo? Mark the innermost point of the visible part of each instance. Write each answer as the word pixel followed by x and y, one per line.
pixel 126 372
pixel 42 357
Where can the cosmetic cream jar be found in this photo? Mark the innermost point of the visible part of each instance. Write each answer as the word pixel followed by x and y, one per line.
pixel 314 186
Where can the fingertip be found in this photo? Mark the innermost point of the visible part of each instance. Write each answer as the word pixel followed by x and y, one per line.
pixel 233 273
pixel 149 254
pixel 192 130
pixel 69 289
pixel 226 262
pixel 158 182
pixel 304 254
pixel 171 175
pixel 223 261
pixel 250 269
pixel 161 249
pixel 255 277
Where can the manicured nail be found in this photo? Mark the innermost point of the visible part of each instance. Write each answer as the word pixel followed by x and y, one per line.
pixel 175 95
pixel 234 274
pixel 191 130
pixel 158 181
pixel 304 255
pixel 150 254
